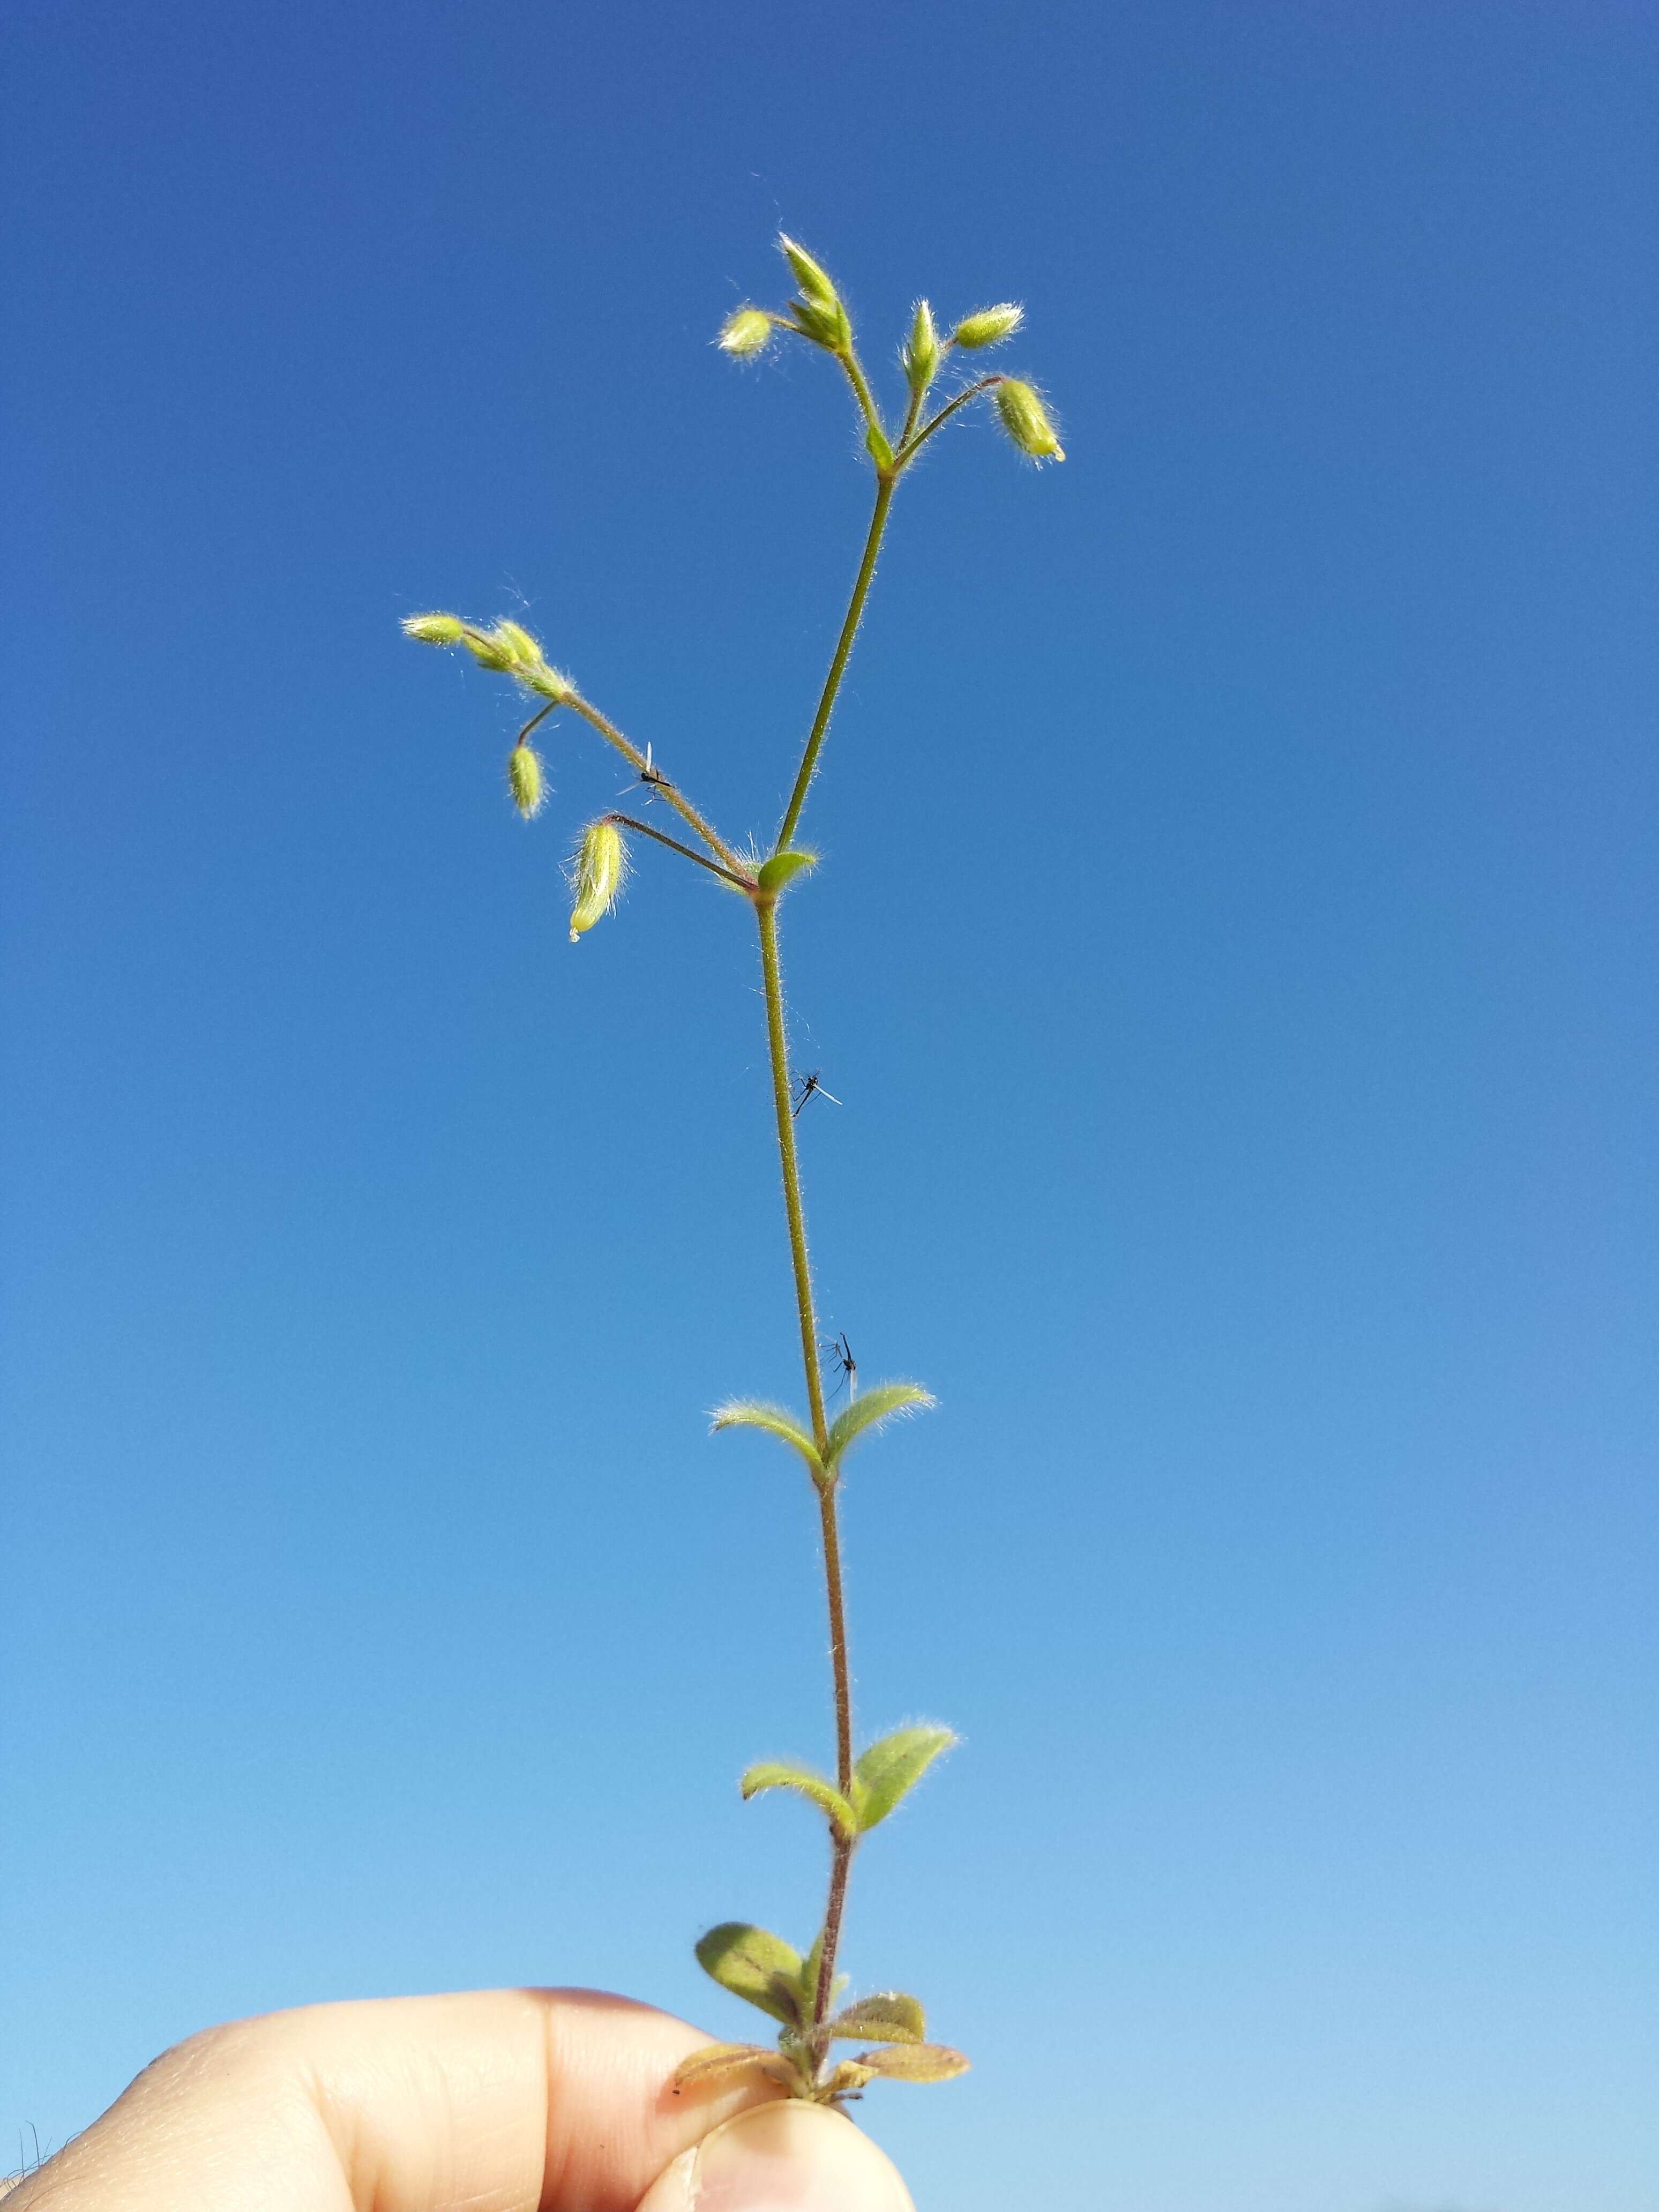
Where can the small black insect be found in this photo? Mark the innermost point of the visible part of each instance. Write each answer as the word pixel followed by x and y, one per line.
pixel 652 776
pixel 811 1086
pixel 841 1357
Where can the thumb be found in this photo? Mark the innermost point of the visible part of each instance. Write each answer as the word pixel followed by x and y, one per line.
pixel 789 2157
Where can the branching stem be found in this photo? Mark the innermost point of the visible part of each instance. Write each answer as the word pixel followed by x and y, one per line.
pixel 906 452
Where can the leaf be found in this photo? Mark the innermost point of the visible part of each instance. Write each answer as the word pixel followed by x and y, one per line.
pixel 753 1413
pixel 914 2062
pixel 716 2060
pixel 848 2076
pixel 889 2018
pixel 876 444
pixel 769 1775
pixel 891 1768
pixel 758 1967
pixel 868 1411
pixel 772 875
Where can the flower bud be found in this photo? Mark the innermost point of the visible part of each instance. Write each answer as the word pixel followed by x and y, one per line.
pixel 434 629
pixel 919 355
pixel 596 871
pixel 521 648
pixel 746 332
pixel 524 780
pixel 1026 420
pixel 487 650
pixel 989 327
pixel 812 280
pixel 550 683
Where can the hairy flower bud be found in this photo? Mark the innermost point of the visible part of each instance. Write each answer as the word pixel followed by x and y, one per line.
pixel 989 327
pixel 812 280
pixel 596 873
pixel 1026 420
pixel 487 650
pixel 524 780
pixel 434 629
pixel 746 332
pixel 521 648
pixel 919 355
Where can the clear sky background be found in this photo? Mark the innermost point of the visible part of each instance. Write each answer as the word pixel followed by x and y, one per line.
pixel 1234 951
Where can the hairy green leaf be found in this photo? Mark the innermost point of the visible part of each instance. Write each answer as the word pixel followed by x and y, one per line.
pixel 753 1413
pixel 809 1979
pixel 914 2062
pixel 716 2060
pixel 760 1968
pixel 889 2018
pixel 869 1410
pixel 822 1793
pixel 891 1768
pixel 772 875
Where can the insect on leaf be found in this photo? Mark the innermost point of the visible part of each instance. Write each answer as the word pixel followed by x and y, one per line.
pixel 716 2061
pixel 869 1410
pixel 759 1967
pixel 891 1768
pixel 821 1792
pixel 889 2018
pixel 914 2062
pixel 753 1413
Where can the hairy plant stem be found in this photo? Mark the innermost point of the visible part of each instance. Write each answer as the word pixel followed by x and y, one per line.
pixel 887 481
pixel 778 1044
pixel 676 797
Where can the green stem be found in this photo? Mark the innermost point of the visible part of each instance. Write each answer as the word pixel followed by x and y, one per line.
pixel 777 1042
pixel 631 753
pixel 908 447
pixel 885 485
pixel 856 376
pixel 644 830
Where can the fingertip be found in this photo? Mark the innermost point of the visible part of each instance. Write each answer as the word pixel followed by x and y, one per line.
pixel 789 2157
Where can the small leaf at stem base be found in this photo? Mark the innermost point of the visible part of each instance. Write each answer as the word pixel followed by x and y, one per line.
pixel 757 1966
pixel 772 875
pixel 914 2062
pixel 893 2017
pixel 716 2061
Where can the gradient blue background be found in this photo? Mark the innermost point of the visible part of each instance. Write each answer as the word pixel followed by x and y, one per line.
pixel 1234 952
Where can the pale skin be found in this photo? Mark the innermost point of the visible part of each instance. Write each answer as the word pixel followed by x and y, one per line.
pixel 500 2100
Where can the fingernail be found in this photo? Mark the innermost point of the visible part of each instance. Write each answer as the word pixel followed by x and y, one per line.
pixel 790 2157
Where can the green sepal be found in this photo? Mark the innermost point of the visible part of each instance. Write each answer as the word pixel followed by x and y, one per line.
pixel 760 1968
pixel 754 1414
pixel 819 1791
pixel 891 1768
pixel 914 2062
pixel 868 1411
pixel 773 874
pixel 893 2017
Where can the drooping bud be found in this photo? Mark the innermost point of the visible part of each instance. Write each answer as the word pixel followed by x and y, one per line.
pixel 989 327
pixel 596 873
pixel 919 355
pixel 524 780
pixel 1026 420
pixel 746 332
pixel 434 629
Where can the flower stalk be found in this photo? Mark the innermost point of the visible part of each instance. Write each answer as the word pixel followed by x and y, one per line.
pixel 799 1993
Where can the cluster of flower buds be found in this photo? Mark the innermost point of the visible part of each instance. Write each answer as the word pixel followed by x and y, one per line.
pixel 818 313
pixel 597 869
pixel 509 649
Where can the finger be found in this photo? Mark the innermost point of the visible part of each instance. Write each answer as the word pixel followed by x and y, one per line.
pixel 782 2158
pixel 503 2100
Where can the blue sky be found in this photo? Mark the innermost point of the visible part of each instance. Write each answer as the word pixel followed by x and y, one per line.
pixel 1234 952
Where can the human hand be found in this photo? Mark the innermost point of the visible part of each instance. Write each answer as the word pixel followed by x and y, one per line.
pixel 504 2100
